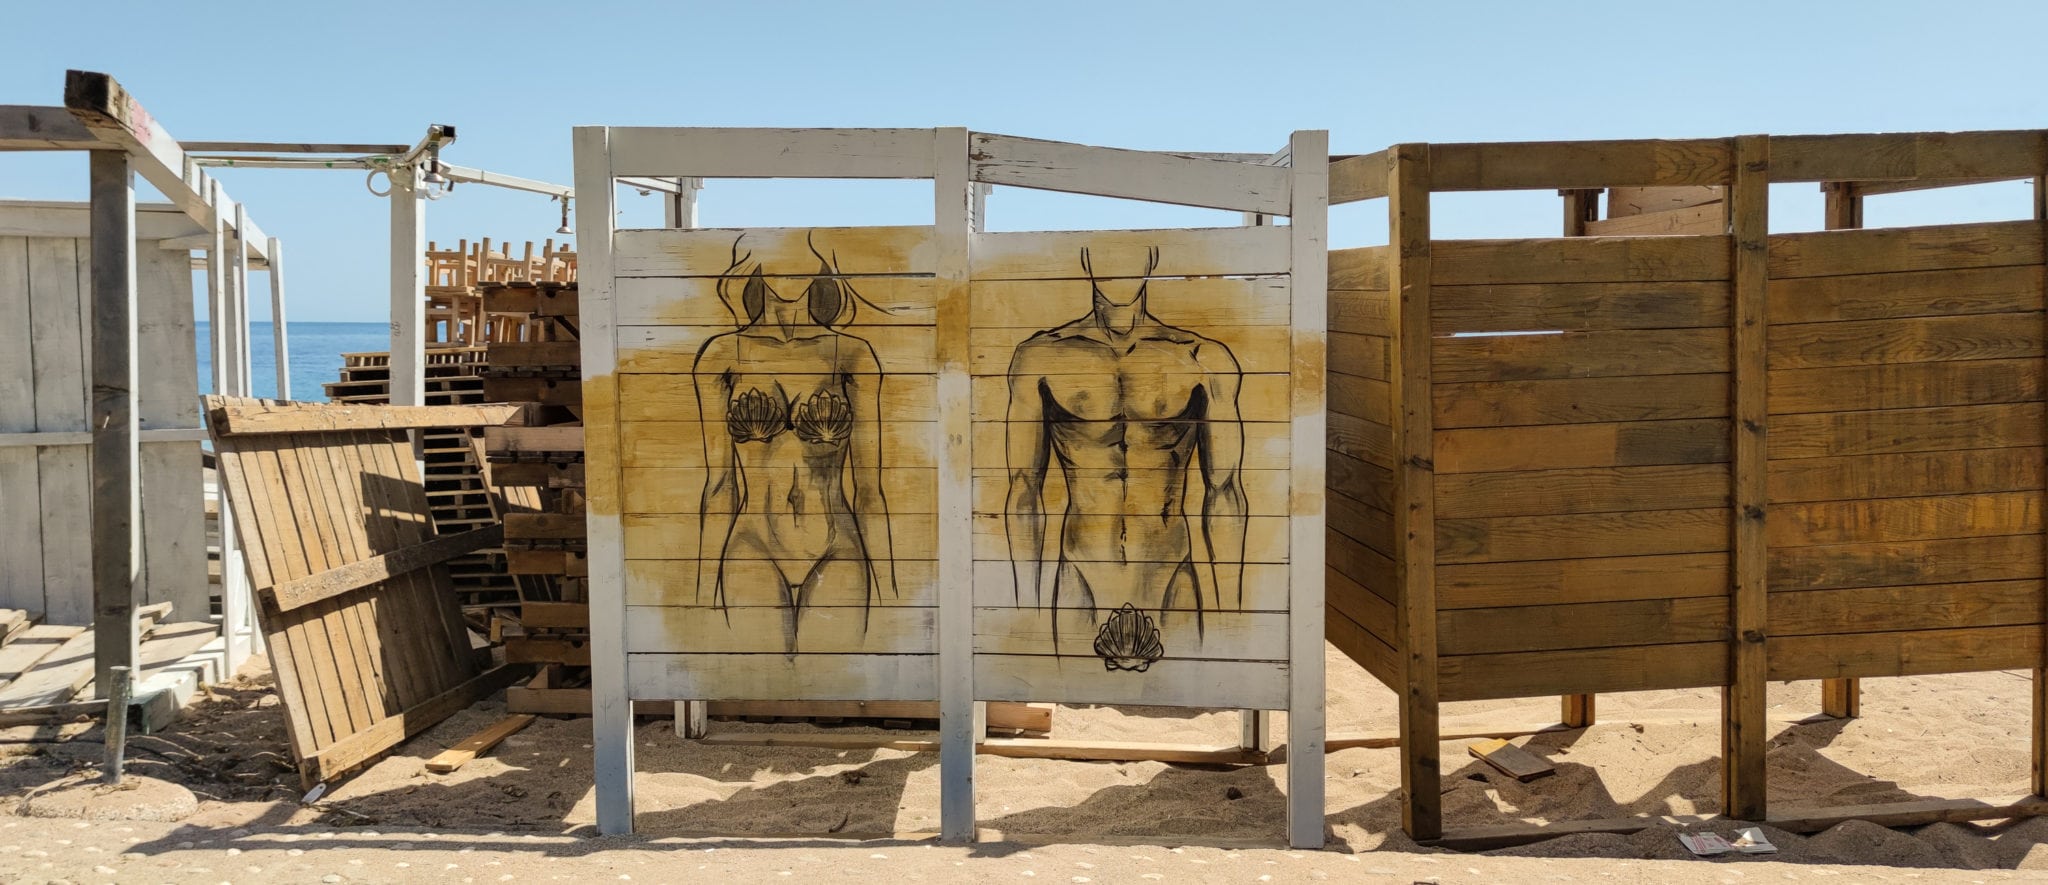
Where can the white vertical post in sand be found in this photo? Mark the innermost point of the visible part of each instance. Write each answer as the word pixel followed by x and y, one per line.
pixel 954 203
pixel 238 284
pixel 611 712
pixel 408 288
pixel 278 346
pixel 1309 152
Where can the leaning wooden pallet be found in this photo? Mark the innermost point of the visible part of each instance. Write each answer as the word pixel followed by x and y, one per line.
pixel 354 596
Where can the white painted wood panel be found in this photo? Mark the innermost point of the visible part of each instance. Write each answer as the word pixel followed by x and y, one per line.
pixel 792 252
pixel 705 152
pixel 1056 255
pixel 1133 175
pixel 775 677
pixel 173 493
pixel 62 353
pixel 1251 685
pixel 21 544
pixel 1309 152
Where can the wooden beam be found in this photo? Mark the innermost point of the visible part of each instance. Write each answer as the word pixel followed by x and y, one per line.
pixel 1875 188
pixel 1842 698
pixel 245 417
pixel 2038 725
pixel 953 219
pixel 408 289
pixel 1409 183
pixel 1358 177
pixel 1308 154
pixel 1014 748
pixel 1581 208
pixel 1744 718
pixel 1908 156
pixel 289 147
pixel 452 759
pixel 378 569
pixel 1536 165
pixel 116 467
pixel 33 128
pixel 114 116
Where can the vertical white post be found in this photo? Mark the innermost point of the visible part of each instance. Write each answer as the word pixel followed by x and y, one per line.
pixel 1255 727
pixel 116 458
pixel 278 346
pixel 408 289
pixel 1309 152
pixel 693 718
pixel 953 216
pixel 238 284
pixel 217 316
pixel 236 612
pixel 611 707
pixel 978 213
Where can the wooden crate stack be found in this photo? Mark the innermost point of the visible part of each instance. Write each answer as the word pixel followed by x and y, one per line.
pixel 541 451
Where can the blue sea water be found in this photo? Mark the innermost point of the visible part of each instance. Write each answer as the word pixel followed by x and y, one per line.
pixel 315 353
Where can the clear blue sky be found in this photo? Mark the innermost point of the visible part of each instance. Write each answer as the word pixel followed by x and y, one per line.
pixel 514 77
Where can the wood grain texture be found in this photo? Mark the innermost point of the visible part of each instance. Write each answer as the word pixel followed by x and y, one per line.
pixel 1880 296
pixel 1582 490
pixel 1972 382
pixel 1581 400
pixel 1056 255
pixel 1581 260
pixel 1579 307
pixel 1697 619
pixel 777 677
pixel 1899 249
pixel 1246 685
pixel 1570 581
pixel 1630 353
pixel 1909 340
pixel 1914 607
pixel 1897 431
pixel 1635 668
pixel 1897 563
pixel 1910 474
pixel 1905 519
pixel 1911 653
pixel 708 252
pixel 1627 444
pixel 1584 535
pixel 1131 175
pixel 1575 164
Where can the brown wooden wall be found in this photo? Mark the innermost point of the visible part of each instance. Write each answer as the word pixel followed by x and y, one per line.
pixel 1360 593
pixel 1905 447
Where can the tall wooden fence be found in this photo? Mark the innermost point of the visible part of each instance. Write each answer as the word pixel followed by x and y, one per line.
pixel 1607 463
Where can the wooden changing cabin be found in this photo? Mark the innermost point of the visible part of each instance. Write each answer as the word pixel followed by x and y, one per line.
pixel 1716 456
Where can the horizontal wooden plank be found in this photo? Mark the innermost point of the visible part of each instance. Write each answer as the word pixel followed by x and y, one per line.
pixel 708 152
pixel 1582 671
pixel 673 397
pixel 1947 561
pixel 1904 519
pixel 1582 535
pixel 1896 249
pixel 853 350
pixel 677 536
pixel 680 490
pixel 1360 312
pixel 1183 635
pixel 1106 492
pixel 802 630
pixel 1539 165
pixel 1878 296
pixel 1580 400
pixel 1263 588
pixel 1102 539
pixel 1908 155
pixel 1267 444
pixel 1912 653
pixel 1210 306
pixel 1577 307
pixel 1365 440
pixel 1582 490
pixel 1255 350
pixel 514 441
pixel 544 526
pixel 1918 607
pixel 1905 386
pixel 1579 260
pixel 1367 607
pixel 1244 685
pixel 1627 444
pixel 539 614
pixel 1363 267
pixel 1525 628
pixel 1370 525
pixel 1624 202
pixel 1916 473
pixel 1370 484
pixel 1361 356
pixel 1895 431
pixel 1909 340
pixel 1629 353
pixel 1360 645
pixel 362 573
pixel 1359 177
pixel 695 301
pixel 888 444
pixel 1359 397
pixel 248 417
pixel 775 677
pixel 750 580
pixel 1129 174
pixel 1126 254
pixel 1260 398
pixel 1563 581
pixel 1711 218
pixel 781 252
pixel 506 355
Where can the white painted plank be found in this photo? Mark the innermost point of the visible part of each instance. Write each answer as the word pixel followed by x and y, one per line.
pixel 773 677
pixel 995 585
pixel 156 221
pixel 706 152
pixel 953 216
pixel 1309 151
pixel 820 630
pixel 1133 175
pixel 1056 255
pixel 21 544
pixel 409 288
pixel 58 314
pixel 1184 635
pixel 280 338
pixel 1254 685
pixel 610 672
pixel 792 252
pixel 173 517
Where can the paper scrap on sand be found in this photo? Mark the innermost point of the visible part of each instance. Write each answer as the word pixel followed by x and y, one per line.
pixel 1748 840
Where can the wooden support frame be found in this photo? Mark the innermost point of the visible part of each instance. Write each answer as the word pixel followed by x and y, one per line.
pixel 116 455
pixel 1409 182
pixel 1743 722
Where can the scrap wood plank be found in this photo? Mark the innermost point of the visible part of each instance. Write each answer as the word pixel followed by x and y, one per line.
pixel 35 644
pixel 1512 761
pixel 68 668
pixel 366 746
pixel 244 417
pixel 13 622
pixel 501 441
pixel 378 569
pixel 478 744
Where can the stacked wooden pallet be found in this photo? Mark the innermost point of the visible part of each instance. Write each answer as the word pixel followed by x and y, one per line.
pixel 455 310
pixel 541 451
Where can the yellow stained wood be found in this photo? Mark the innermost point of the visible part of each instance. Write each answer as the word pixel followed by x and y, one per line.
pixel 1623 202
pixel 1582 535
pixel 1256 349
pixel 1361 311
pixel 1184 635
pixel 1905 386
pixel 1361 356
pixel 1578 307
pixel 1910 653
pixel 1891 564
pixel 657 536
pixel 1363 267
pixel 1627 353
pixel 1265 492
pixel 1881 296
pixel 1905 519
pixel 819 630
pixel 1581 400
pixel 1360 397
pixel 908 490
pixel 794 252
pixel 1266 445
pixel 673 350
pixel 1264 589
pixel 1690 221
pixel 1909 340
pixel 1582 490
pixel 695 301
pixel 1567 581
pixel 1056 255
pixel 1902 475
pixel 761 583
pixel 1584 671
pixel 1259 397
pixel 1628 444
pixel 1906 430
pixel 1893 250
pixel 1265 538
pixel 680 444
pixel 1580 260
pixel 1210 306
pixel 673 397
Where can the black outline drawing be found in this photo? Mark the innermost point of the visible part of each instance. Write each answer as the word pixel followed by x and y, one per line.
pixel 1096 425
pixel 783 499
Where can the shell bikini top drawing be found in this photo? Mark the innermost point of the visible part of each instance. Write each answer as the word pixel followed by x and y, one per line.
pixel 755 415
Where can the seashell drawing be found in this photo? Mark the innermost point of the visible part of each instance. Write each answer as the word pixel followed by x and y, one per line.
pixel 1129 640
pixel 824 418
pixel 755 416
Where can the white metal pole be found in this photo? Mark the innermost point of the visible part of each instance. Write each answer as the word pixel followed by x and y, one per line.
pixel 279 348
pixel 408 288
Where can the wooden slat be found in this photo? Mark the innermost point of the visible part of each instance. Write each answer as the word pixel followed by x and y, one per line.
pixel 1878 296
pixel 1584 535
pixel 383 567
pixel 694 301
pixel 1056 255
pixel 1245 685
pixel 1692 221
pixel 1904 475
pixel 453 758
pixel 1898 431
pixel 1581 490
pixel 708 152
pixel 252 417
pixel 1912 340
pixel 1414 270
pixel 1630 444
pixel 1906 386
pixel 1623 202
pixel 1579 164
pixel 1629 353
pixel 1916 607
pixel 1581 260
pixel 1568 581
pixel 1359 268
pixel 1358 177
pixel 1581 400
pixel 1743 722
pixel 777 251
pixel 1584 671
pixel 1587 625
pixel 1897 563
pixel 1131 175
pixel 1908 155
pixel 1905 519
pixel 1899 249
pixel 1913 653
pixel 1579 307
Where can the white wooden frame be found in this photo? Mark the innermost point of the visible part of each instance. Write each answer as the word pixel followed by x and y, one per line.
pixel 961 165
